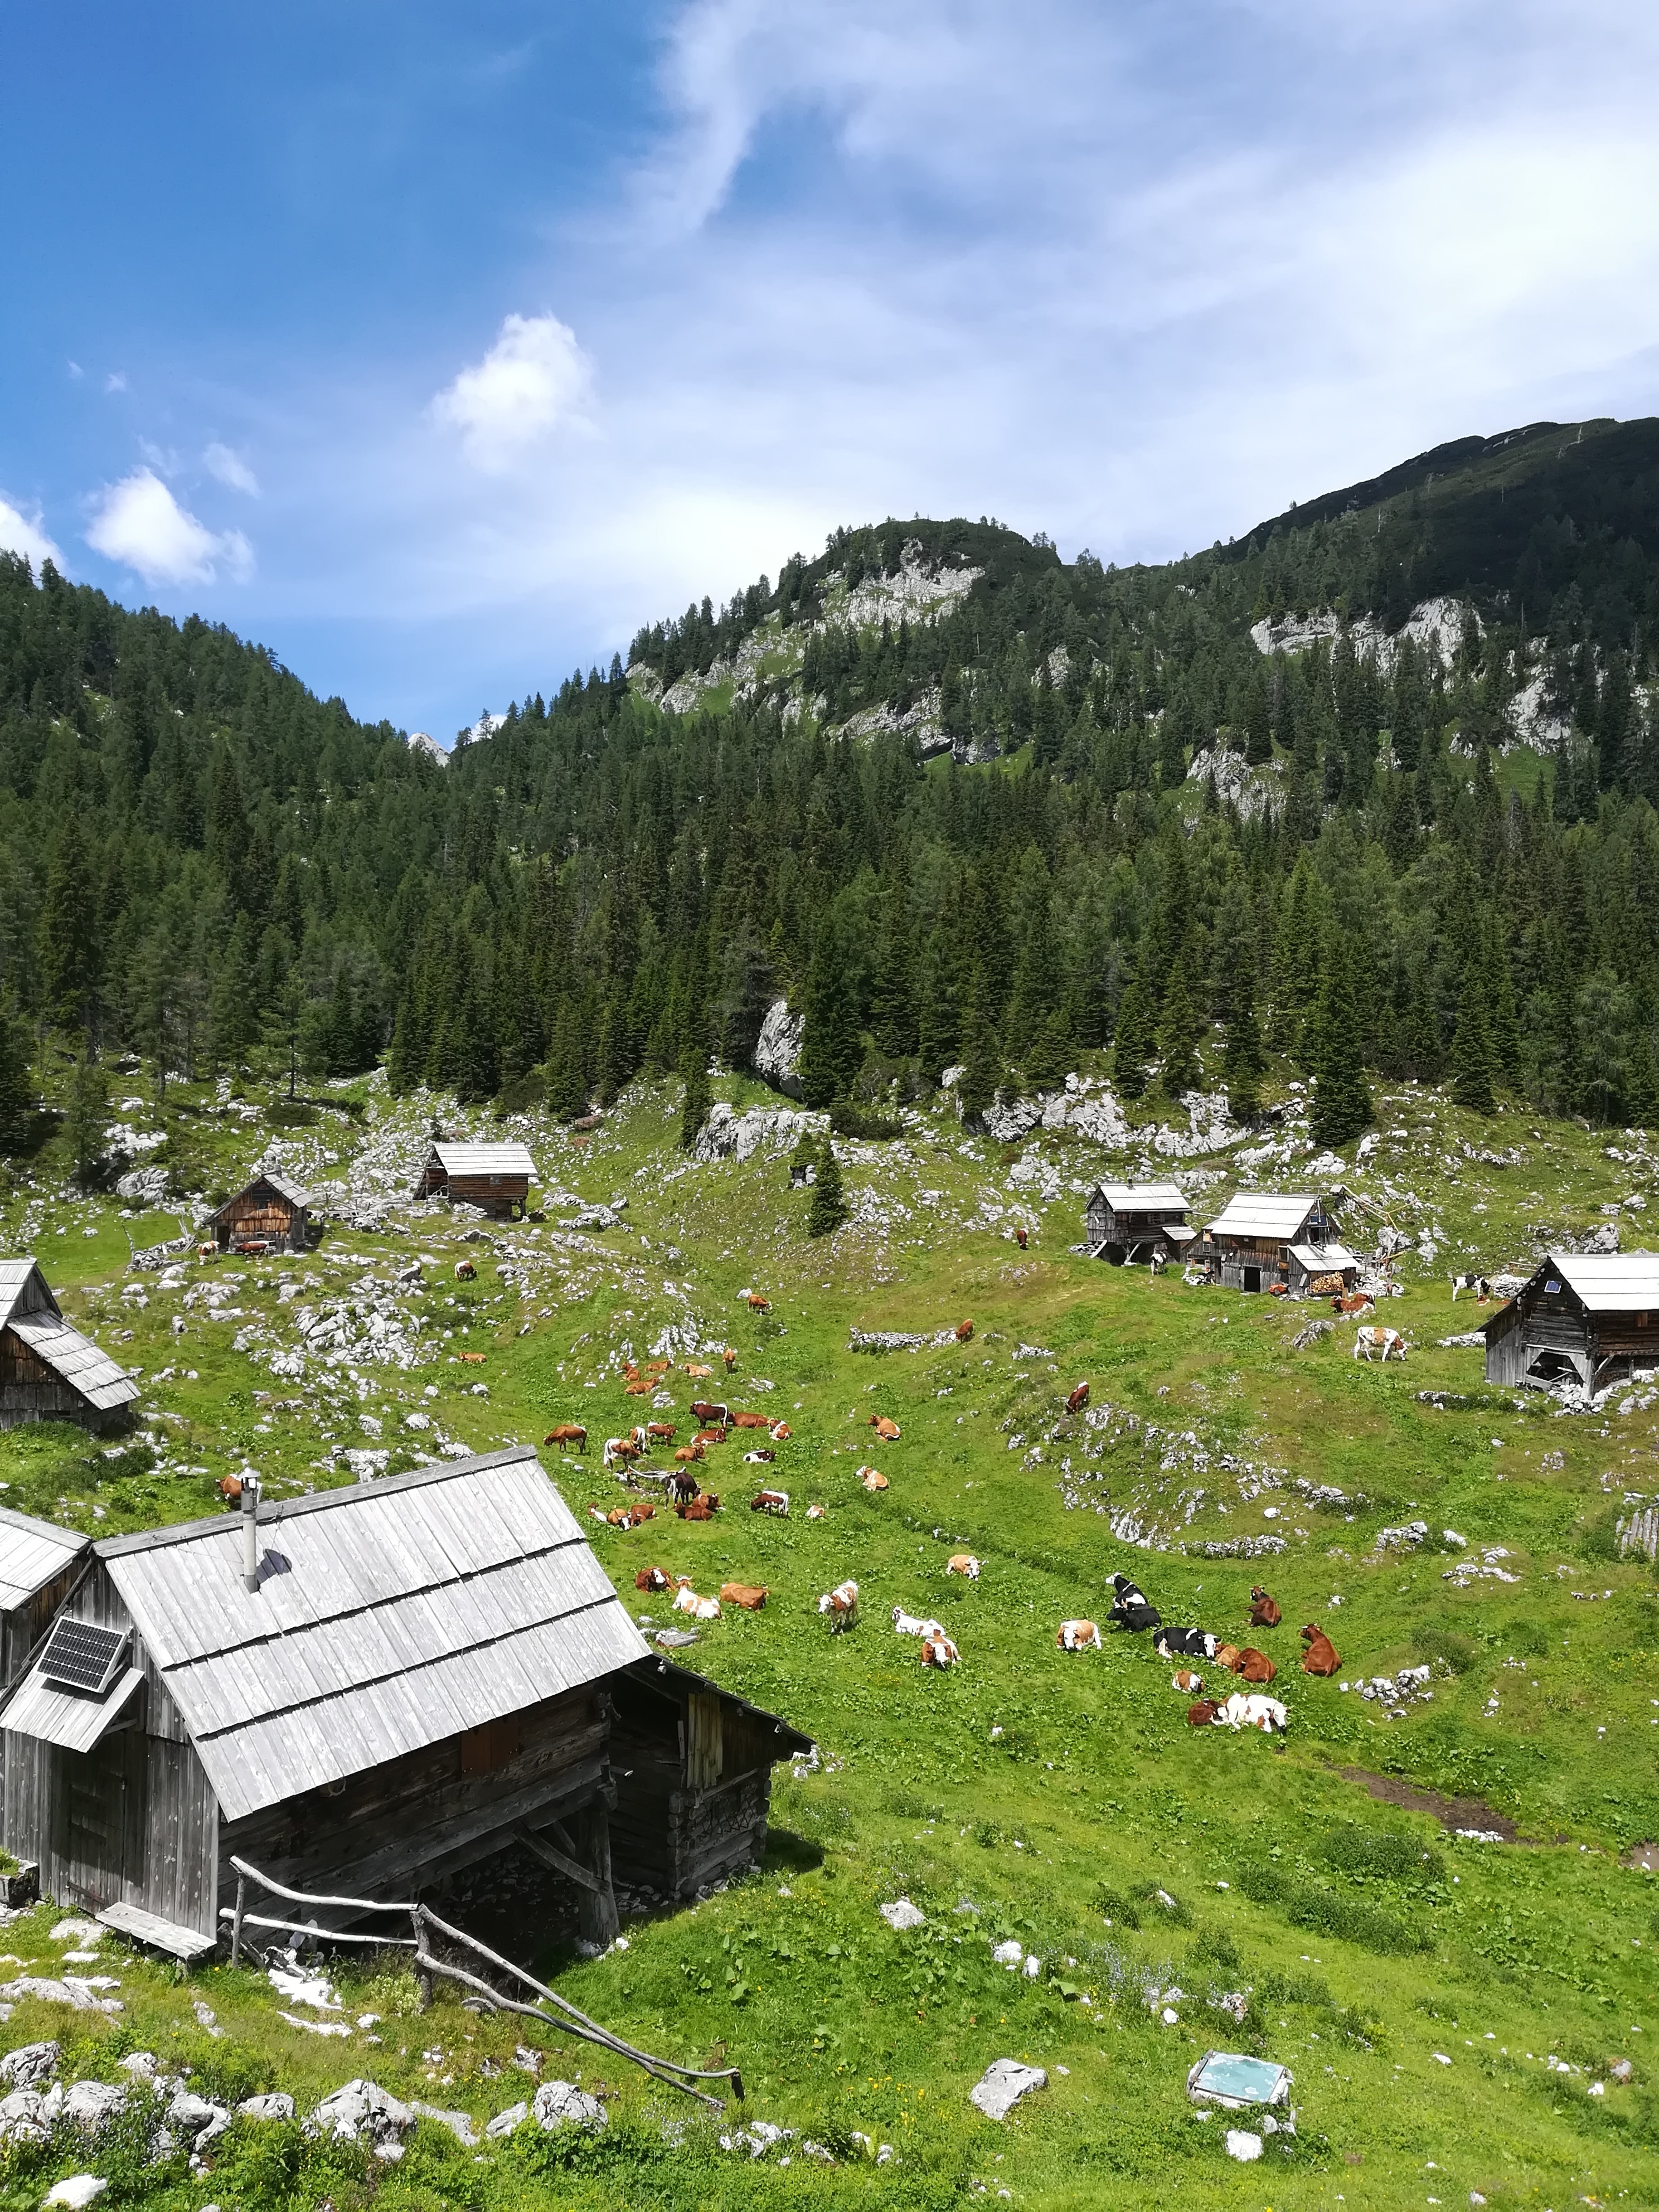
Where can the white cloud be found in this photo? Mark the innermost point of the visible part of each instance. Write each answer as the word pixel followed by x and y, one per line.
pixel 116 381
pixel 21 533
pixel 139 522
pixel 231 469
pixel 534 379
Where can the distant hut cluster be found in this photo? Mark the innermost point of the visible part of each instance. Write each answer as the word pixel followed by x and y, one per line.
pixel 359 1693
pixel 48 1370
pixel 1131 1224
pixel 1592 1318
pixel 270 1214
pixel 497 1177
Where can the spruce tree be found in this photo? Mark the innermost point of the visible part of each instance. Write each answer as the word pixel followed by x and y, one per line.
pixel 1132 1042
pixel 68 933
pixel 939 1030
pixel 16 1081
pixel 1180 1026
pixel 1258 727
pixel 828 1209
pixel 982 1063
pixel 699 1097
pixel 1243 1064
pixel 567 1078
pixel 1471 1050
pixel 1342 1103
pixel 88 1116
pixel 831 1050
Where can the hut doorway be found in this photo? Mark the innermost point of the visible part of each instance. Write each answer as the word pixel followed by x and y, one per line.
pixel 1253 1279
pixel 100 1807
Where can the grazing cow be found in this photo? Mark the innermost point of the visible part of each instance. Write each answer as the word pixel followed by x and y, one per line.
pixel 1254 1711
pixel 1183 1679
pixel 472 1359
pixel 465 1272
pixel 207 1251
pixel 703 1507
pixel 751 1420
pixel 687 1454
pixel 1480 1285
pixel 1077 1636
pixel 1321 1656
pixel 939 1651
pixel 759 1458
pixel 1264 1613
pixel 1130 1608
pixel 962 1563
pixel 1385 1341
pixel 1184 1643
pixel 841 1605
pixel 964 1332
pixel 1079 1399
pixel 1203 1714
pixel 888 1431
pixel 771 1501
pixel 651 1578
pixel 640 1438
pixel 681 1487
pixel 1157 1263
pixel 910 1623
pixel 622 1448
pixel 759 1305
pixel 567 1433
pixel 818 1513
pixel 660 1431
pixel 730 1357
pixel 1349 1302
pixel 1254 1666
pixel 872 1478
pixel 700 1608
pixel 744 1595
pixel 1021 1238
pixel 780 1432
pixel 230 1486
pixel 703 1410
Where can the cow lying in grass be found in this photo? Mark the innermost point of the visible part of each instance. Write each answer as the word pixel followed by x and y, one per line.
pixel 1264 1613
pixel 1321 1656
pixel 1241 1711
pixel 1254 1666
pixel 872 1478
pixel 909 1624
pixel 1185 1643
pixel 939 1651
pixel 652 1578
pixel 746 1595
pixel 700 1608
pixel 1077 1636
pixel 962 1563
pixel 771 1501
pixel 1130 1608
pixel 1184 1679
pixel 759 1458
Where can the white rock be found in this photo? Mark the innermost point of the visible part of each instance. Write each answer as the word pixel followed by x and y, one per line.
pixel 80 2188
pixel 902 1914
pixel 561 2104
pixel 93 2105
pixel 363 2109
pixel 28 2066
pixel 777 1050
pixel 459 2124
pixel 1002 2085
pixel 1242 2145
pixel 276 2104
pixel 315 1990
pixel 1009 1954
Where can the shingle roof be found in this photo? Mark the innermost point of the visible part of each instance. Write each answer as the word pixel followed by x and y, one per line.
pixel 295 1194
pixel 15 1281
pixel 1324 1259
pixel 1610 1282
pixel 1134 1196
pixel 1265 1213
pixel 485 1159
pixel 77 1359
pixel 66 1716
pixel 388 1616
pixel 31 1552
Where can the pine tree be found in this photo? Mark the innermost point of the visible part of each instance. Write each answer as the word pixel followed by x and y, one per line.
pixel 982 1063
pixel 567 1079
pixel 938 1031
pixel 1049 1059
pixel 88 1116
pixel 1132 1042
pixel 68 933
pixel 1243 1058
pixel 699 1096
pixel 1180 1027
pixel 16 1081
pixel 831 1050
pixel 1258 727
pixel 1471 1050
pixel 1342 1104
pixel 828 1209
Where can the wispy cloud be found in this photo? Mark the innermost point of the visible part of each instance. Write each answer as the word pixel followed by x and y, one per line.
pixel 26 534
pixel 230 469
pixel 533 380
pixel 139 523
pixel 116 381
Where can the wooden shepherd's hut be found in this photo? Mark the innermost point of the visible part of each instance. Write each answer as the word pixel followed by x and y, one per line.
pixel 1134 1222
pixel 1592 1317
pixel 48 1370
pixel 497 1177
pixel 271 1211
pixel 1247 1246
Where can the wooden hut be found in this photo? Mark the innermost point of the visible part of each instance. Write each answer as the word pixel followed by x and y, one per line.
pixel 38 1564
pixel 494 1176
pixel 1135 1222
pixel 48 1370
pixel 420 1677
pixel 271 1211
pixel 1320 1271
pixel 693 1765
pixel 1247 1246
pixel 1589 1317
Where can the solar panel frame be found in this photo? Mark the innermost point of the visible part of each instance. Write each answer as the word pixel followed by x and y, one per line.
pixel 80 1655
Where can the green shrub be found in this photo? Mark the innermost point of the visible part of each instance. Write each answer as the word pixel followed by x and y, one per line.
pixel 848 1119
pixel 1326 1913
pixel 1380 1857
pixel 524 1096
pixel 1122 1912
pixel 290 1113
pixel 1434 1640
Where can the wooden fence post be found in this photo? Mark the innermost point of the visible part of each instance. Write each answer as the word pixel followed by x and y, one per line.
pixel 236 1925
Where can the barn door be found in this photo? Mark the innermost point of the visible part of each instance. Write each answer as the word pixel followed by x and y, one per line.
pixel 704 1744
pixel 99 1819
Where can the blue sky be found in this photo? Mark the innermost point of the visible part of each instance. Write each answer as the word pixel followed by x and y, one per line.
pixel 439 348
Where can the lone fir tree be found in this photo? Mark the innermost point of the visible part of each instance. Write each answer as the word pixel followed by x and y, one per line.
pixel 828 1208
pixel 1342 1104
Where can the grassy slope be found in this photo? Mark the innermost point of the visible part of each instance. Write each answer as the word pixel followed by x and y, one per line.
pixel 1094 1791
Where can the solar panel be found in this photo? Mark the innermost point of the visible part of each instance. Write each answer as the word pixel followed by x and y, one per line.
pixel 80 1655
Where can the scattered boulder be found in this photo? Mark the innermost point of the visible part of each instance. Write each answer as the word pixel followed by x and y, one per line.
pixel 73 1990
pixel 276 2104
pixel 728 1135
pixel 29 2116
pixel 504 2123
pixel 78 2190
pixel 1002 2085
pixel 363 2111
pixel 93 2105
pixel 561 2104
pixel 1243 2144
pixel 902 1914
pixel 459 2124
pixel 30 2065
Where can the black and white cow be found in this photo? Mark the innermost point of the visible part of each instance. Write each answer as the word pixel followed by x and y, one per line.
pixel 1131 1608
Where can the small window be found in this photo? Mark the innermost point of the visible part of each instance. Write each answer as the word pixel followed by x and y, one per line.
pixel 1551 1289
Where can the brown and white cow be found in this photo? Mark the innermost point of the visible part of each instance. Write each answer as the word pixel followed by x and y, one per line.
pixel 1203 1714
pixel 888 1431
pixel 759 1458
pixel 962 1563
pixel 700 1608
pixel 652 1578
pixel 964 1332
pixel 1183 1679
pixel 703 1507
pixel 619 1450
pixel 1386 1341
pixel 818 1513
pixel 660 1431
pixel 1349 1302
pixel 465 1272
pixel 1077 1636
pixel 841 1605
pixel 697 1372
pixel 780 1432
pixel 872 1478
pixel 771 1501
pixel 939 1651
pixel 705 1410
pixel 1079 1399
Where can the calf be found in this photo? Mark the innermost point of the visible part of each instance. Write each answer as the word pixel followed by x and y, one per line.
pixel 818 1513
pixel 1131 1608
pixel 1264 1613
pixel 964 1332
pixel 872 1478
pixel 1022 1238
pixel 743 1595
pixel 888 1431
pixel 660 1431
pixel 759 1458
pixel 771 1501
pixel 700 1608
pixel 962 1563
pixel 1253 1666
pixel 1386 1341
pixel 1184 1679
pixel 709 1436
pixel 640 1438
pixel 1077 1636
pixel 1227 1654
pixel 696 1372
pixel 631 1517
pixel 1321 1656
pixel 465 1272
pixel 1079 1399
pixel 568 1433
pixel 651 1578
pixel 623 1449
pixel 1184 1643
pixel 634 1389
pixel 1354 1302
pixel 759 1305
pixel 687 1455
pixel 841 1605
pixel 910 1623
pixel 1253 1712
pixel 939 1651
pixel 730 1357
pixel 1480 1285
pixel 207 1251
pixel 780 1432
pixel 1203 1714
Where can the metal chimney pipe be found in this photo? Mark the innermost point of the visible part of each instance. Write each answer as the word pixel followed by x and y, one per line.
pixel 251 1533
